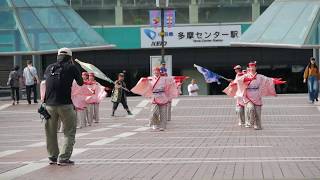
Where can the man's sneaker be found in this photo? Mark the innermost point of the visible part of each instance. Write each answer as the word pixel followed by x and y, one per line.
pixel 66 162
pixel 52 160
pixel 317 99
pixel 130 113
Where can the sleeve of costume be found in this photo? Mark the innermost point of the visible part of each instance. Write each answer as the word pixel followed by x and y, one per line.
pixel 42 90
pixel 78 95
pixel 171 88
pixel 231 90
pixel 267 86
pixel 96 92
pixel 100 93
pixel 241 86
pixel 143 88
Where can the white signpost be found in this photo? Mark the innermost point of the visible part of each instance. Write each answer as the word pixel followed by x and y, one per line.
pixel 191 36
pixel 155 61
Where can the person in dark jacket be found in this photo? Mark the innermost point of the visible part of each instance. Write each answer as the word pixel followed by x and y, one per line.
pixel 14 83
pixel 119 95
pixel 59 79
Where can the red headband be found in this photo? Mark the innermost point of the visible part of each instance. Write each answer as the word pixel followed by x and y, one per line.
pixel 157 69
pixel 252 64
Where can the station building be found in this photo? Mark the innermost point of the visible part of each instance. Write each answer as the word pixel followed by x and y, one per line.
pixel 116 36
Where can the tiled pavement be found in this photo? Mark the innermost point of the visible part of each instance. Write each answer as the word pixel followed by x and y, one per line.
pixel 202 141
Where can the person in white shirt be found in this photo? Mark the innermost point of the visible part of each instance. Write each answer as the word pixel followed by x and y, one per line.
pixel 193 88
pixel 31 80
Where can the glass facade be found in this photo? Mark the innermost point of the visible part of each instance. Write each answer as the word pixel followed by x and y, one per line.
pixel 135 12
pixel 287 23
pixel 33 25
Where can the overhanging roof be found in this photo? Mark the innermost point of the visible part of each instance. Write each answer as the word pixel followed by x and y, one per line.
pixel 43 26
pixel 285 24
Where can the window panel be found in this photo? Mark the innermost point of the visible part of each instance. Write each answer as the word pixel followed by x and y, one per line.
pixel 58 27
pixel 87 34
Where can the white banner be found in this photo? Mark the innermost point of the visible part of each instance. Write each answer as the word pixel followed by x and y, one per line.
pixel 191 36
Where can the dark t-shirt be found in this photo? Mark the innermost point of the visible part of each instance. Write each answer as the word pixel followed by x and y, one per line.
pixel 59 83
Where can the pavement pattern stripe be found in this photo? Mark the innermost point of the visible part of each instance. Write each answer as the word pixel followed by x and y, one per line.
pixel 102 142
pixel 22 170
pixel 9 152
pixel 125 134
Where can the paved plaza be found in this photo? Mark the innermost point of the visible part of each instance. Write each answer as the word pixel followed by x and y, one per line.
pixel 203 141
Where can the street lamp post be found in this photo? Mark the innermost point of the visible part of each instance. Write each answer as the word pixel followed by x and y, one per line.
pixel 162 36
pixel 162 4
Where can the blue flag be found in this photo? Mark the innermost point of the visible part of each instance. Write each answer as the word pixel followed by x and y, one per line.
pixel 209 76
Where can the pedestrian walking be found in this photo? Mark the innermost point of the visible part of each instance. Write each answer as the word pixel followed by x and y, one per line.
pixel 14 83
pixel 31 80
pixel 311 77
pixel 60 76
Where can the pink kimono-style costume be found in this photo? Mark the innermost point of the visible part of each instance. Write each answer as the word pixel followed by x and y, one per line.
pixel 231 91
pixel 98 93
pixel 161 90
pixel 78 97
pixel 252 87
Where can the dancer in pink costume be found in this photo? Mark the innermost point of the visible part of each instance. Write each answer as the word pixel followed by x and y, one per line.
pixel 98 93
pixel 161 89
pixel 251 87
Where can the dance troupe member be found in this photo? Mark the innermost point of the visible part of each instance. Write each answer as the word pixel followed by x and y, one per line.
pixel 119 95
pixel 161 90
pixel 239 100
pixel 250 88
pixel 86 99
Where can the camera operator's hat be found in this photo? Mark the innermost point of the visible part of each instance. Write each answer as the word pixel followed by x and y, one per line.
pixel 121 74
pixel 65 51
pixel 237 67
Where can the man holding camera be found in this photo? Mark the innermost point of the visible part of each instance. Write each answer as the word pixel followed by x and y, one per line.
pixel 59 79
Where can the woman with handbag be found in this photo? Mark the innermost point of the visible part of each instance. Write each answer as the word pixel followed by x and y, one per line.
pixel 31 80
pixel 14 83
